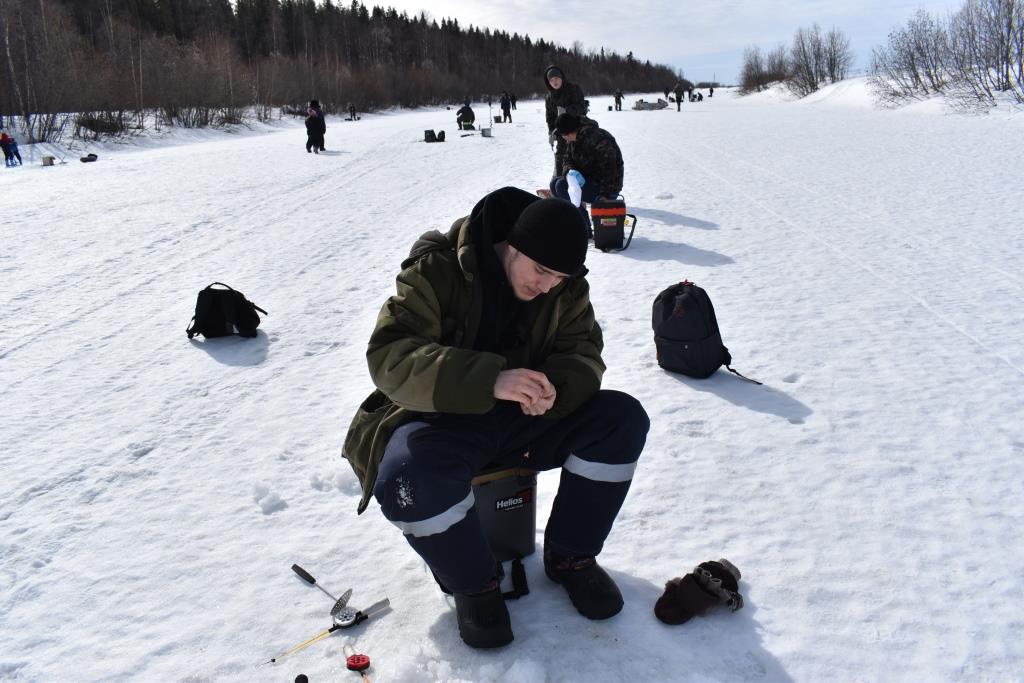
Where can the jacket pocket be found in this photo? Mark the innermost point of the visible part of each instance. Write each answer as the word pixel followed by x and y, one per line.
pixel 359 440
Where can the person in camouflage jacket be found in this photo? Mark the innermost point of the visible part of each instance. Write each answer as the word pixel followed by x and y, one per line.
pixel 563 98
pixel 489 354
pixel 593 152
pixel 593 166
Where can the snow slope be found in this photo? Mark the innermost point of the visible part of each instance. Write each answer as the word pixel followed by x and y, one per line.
pixel 864 264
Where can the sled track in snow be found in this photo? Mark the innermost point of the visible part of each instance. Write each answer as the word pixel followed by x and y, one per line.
pixel 845 253
pixel 218 232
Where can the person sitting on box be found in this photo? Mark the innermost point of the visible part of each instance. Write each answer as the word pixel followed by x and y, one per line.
pixel 593 167
pixel 489 353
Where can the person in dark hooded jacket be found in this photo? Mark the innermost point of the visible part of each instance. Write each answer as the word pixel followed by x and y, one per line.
pixel 316 127
pixel 490 354
pixel 563 98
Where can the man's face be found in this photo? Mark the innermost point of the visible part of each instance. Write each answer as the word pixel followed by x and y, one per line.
pixel 570 137
pixel 528 278
pixel 555 82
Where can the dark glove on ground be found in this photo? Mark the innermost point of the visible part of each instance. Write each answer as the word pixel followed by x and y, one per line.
pixel 709 584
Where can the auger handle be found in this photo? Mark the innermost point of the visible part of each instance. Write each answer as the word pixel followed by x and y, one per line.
pixel 303 574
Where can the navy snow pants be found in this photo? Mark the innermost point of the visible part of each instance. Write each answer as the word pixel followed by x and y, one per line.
pixel 424 482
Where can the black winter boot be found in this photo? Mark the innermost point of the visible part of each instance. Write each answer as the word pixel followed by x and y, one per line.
pixel 592 591
pixel 483 618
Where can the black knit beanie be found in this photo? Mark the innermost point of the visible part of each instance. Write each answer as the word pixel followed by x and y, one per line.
pixel 567 123
pixel 553 71
pixel 553 234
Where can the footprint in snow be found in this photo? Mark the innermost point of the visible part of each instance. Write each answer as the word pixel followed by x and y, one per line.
pixel 664 195
pixel 320 483
pixel 268 501
pixel 346 482
pixel 139 450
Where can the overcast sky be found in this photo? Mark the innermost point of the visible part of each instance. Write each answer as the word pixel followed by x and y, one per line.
pixel 705 38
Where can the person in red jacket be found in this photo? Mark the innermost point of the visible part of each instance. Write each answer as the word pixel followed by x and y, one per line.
pixel 10 147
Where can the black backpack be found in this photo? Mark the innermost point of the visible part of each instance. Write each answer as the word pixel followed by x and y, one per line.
pixel 686 332
pixel 223 312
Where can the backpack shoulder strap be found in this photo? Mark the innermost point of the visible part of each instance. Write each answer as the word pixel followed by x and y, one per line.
pixel 232 289
pixel 754 381
pixel 727 362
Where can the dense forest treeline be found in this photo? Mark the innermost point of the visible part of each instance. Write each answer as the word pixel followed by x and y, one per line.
pixel 204 62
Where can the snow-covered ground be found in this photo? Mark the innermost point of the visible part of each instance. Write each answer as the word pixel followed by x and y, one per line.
pixel 864 264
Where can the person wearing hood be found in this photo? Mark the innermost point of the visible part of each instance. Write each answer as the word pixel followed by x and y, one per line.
pixel 489 354
pixel 465 117
pixel 316 127
pixel 563 98
pixel 593 167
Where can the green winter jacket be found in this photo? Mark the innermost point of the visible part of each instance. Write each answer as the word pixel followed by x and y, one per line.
pixel 421 355
pixel 596 155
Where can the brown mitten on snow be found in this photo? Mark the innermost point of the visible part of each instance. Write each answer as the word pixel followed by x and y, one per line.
pixel 709 584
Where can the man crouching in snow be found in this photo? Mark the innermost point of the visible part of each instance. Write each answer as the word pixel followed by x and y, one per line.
pixel 489 354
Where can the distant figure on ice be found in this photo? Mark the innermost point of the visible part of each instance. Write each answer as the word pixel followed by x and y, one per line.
pixel 316 127
pixel 465 117
pixel 618 100
pixel 5 144
pixel 10 148
pixel 506 107
pixel 711 92
pixel 512 97
pixel 680 93
pixel 700 97
pixel 519 386
pixel 593 166
pixel 352 112
pixel 563 98
pixel 667 91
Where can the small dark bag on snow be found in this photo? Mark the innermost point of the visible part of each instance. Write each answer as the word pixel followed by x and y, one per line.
pixel 224 312
pixel 686 332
